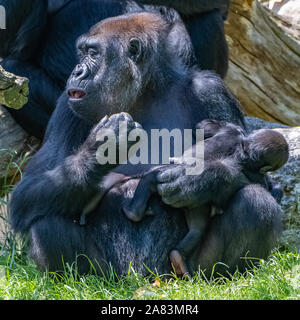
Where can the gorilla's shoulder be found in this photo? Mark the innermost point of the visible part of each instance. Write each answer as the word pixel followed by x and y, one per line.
pixel 206 82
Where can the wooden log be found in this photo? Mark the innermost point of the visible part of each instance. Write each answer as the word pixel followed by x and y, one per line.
pixel 265 58
pixel 13 90
pixel 15 144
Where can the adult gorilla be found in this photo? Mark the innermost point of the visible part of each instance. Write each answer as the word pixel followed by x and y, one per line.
pixel 39 43
pixel 127 63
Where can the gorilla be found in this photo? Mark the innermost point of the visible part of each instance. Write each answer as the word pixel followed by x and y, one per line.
pixel 127 63
pixel 232 161
pixel 39 42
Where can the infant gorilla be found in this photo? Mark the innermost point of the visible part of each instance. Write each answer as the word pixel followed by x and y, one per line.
pixel 232 161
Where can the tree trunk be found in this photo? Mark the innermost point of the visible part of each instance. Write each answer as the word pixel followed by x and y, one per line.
pixel 13 90
pixel 264 49
pixel 15 144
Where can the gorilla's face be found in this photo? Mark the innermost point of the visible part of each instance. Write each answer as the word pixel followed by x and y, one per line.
pixel 119 58
pixel 108 78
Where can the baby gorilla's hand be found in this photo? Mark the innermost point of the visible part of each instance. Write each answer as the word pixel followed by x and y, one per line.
pixel 176 188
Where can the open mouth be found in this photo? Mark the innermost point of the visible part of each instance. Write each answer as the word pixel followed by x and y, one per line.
pixel 76 94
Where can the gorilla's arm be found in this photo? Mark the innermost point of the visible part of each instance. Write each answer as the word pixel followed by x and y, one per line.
pixel 50 179
pixel 25 20
pixel 66 185
pixel 190 7
pixel 43 95
pixel 59 180
pixel 216 185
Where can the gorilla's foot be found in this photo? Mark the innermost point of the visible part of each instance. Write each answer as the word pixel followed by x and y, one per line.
pixel 178 263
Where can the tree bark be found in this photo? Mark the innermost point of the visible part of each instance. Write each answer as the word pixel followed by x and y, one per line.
pixel 265 58
pixel 15 144
pixel 13 90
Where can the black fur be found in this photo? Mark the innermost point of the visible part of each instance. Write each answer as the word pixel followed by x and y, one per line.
pixel 63 176
pixel 189 7
pixel 45 39
pixel 232 161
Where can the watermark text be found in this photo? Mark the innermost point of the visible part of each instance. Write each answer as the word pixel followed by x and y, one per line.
pixel 159 146
pixel 2 18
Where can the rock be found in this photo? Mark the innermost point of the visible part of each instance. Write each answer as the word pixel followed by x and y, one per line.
pixel 253 123
pixel 289 178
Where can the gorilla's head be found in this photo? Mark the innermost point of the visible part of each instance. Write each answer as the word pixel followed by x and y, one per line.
pixel 267 150
pixel 121 59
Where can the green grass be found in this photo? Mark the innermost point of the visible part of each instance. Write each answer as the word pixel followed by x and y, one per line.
pixel 277 278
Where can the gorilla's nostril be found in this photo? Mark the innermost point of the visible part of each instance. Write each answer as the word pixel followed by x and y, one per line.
pixel 80 71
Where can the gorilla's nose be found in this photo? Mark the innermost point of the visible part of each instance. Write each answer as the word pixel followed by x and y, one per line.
pixel 80 72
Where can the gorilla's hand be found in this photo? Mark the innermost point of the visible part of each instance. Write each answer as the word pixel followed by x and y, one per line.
pixel 178 189
pixel 116 127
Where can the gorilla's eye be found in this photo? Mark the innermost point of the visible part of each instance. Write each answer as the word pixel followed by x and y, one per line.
pixel 135 49
pixel 80 55
pixel 92 52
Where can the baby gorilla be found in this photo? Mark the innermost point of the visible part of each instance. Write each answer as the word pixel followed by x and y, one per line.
pixel 232 161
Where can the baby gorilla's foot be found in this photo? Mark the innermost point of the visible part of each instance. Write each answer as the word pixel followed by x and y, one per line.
pixel 178 263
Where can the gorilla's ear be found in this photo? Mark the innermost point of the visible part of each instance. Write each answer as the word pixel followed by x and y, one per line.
pixel 135 49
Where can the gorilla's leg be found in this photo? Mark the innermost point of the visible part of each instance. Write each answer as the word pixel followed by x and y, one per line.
pixel 43 93
pixel 56 241
pixel 249 228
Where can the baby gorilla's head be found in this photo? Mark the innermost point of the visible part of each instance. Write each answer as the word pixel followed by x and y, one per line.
pixel 267 150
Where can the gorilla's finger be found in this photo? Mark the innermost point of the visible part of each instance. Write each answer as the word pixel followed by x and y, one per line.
pixel 163 177
pixel 122 116
pixel 174 200
pixel 169 174
pixel 167 189
pixel 103 121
